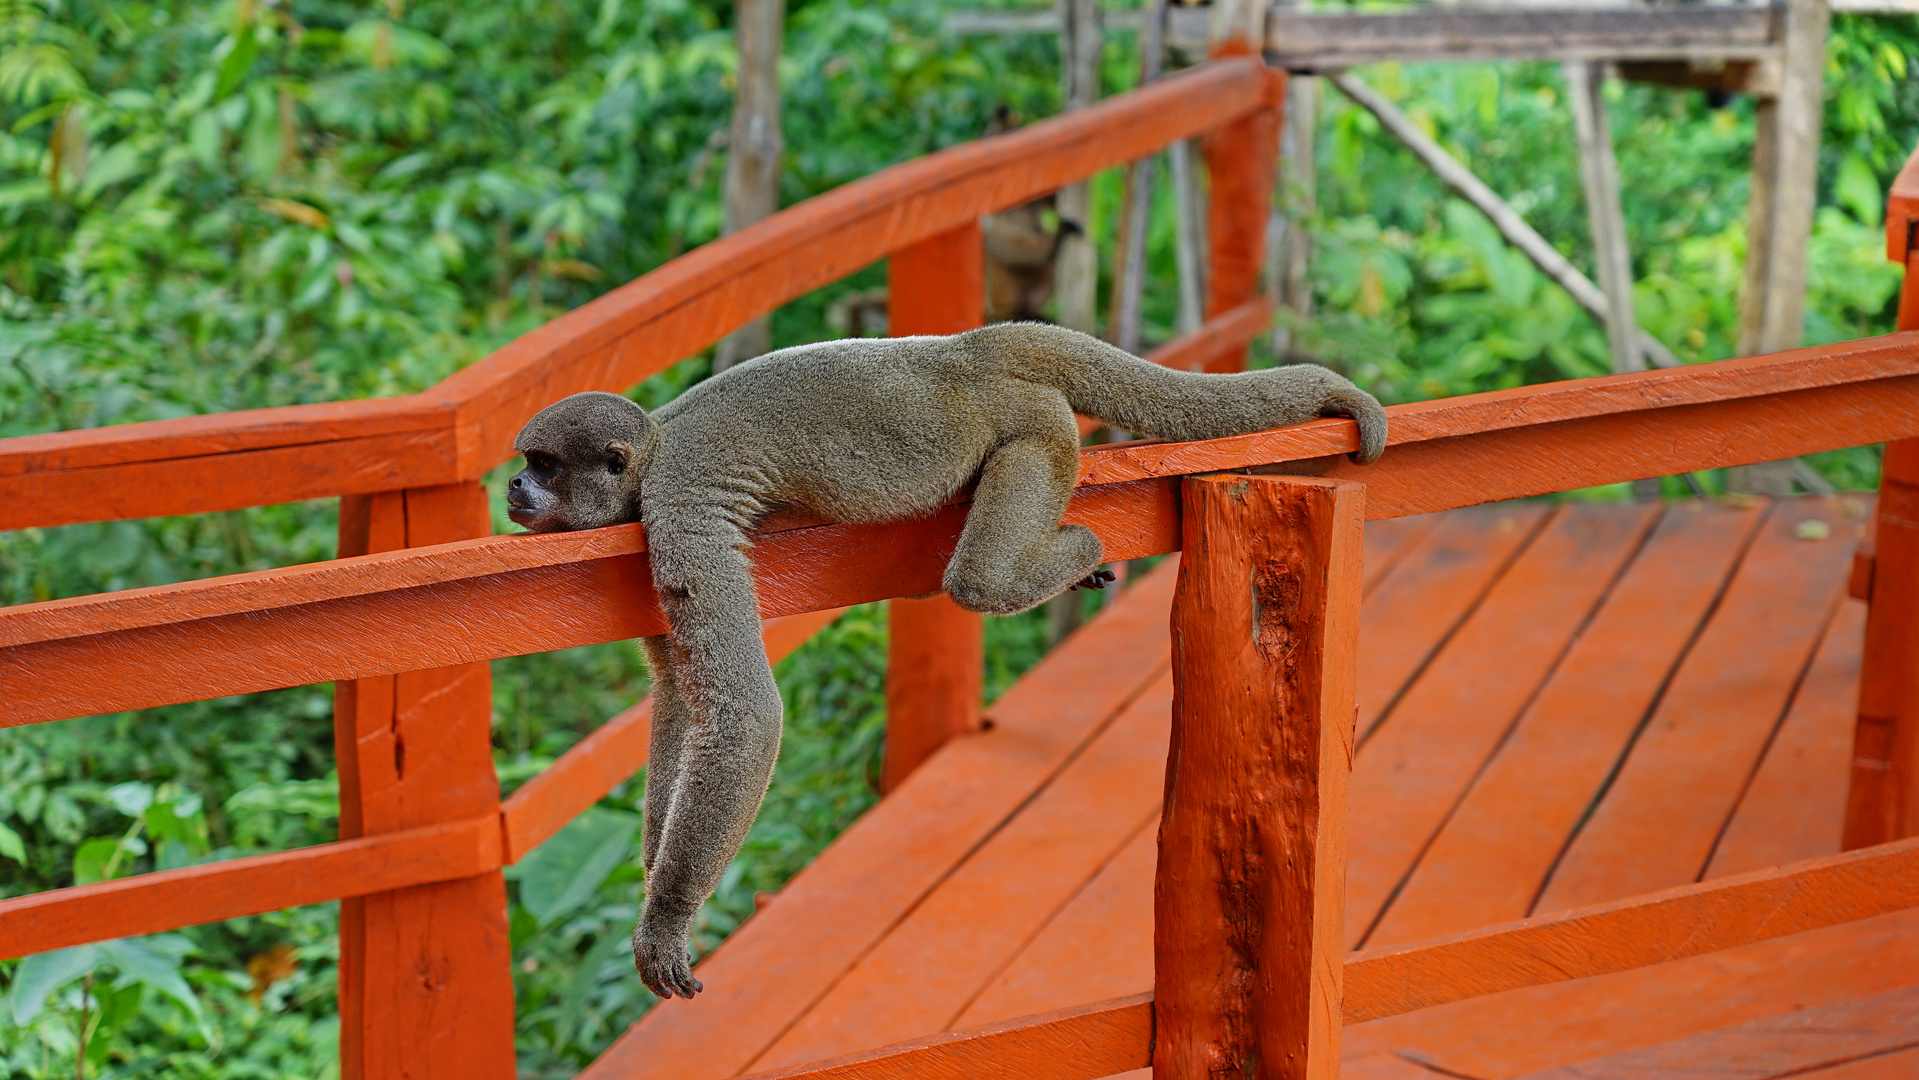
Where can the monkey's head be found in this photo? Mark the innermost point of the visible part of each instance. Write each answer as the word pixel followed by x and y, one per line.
pixel 585 457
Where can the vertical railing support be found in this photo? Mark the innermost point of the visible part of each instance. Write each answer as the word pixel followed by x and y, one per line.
pixel 426 988
pixel 1241 159
pixel 1883 801
pixel 935 660
pixel 1250 893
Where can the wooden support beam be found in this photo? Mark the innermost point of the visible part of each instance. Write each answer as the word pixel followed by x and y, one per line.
pixel 425 983
pixel 1319 41
pixel 1240 163
pixel 1584 82
pixel 935 660
pixel 1130 271
pixel 1504 218
pixel 1291 250
pixel 1249 897
pixel 1189 236
pixel 1882 802
pixel 754 147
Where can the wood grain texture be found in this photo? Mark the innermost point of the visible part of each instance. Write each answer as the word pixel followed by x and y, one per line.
pixel 1489 860
pixel 1248 895
pixel 1796 1043
pixel 1315 40
pixel 425 988
pixel 936 650
pixel 992 903
pixel 1656 825
pixel 170 899
pixel 1413 772
pixel 1082 1043
pixel 1669 925
pixel 1795 807
pixel 758 984
pixel 1241 157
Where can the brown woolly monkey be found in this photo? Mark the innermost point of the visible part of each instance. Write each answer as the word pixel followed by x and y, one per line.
pixel 856 430
pixel 1022 245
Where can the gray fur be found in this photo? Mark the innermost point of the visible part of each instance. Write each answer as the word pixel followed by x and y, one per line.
pixel 855 430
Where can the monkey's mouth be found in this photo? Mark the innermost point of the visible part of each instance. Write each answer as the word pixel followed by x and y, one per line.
pixel 528 517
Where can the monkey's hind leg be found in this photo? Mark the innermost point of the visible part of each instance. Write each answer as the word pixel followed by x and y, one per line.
pixel 664 745
pixel 1014 553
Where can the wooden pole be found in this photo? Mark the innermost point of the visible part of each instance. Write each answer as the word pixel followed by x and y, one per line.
pixel 1291 256
pixel 1130 285
pixel 754 148
pixel 1249 897
pixel 1504 218
pixel 1189 241
pixel 1882 803
pixel 1240 160
pixel 1584 83
pixel 935 659
pixel 426 987
pixel 1785 187
pixel 1076 272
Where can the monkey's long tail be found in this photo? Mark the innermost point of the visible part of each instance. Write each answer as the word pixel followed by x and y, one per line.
pixel 1142 397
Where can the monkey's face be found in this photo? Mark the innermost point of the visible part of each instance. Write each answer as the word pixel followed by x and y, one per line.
pixel 584 458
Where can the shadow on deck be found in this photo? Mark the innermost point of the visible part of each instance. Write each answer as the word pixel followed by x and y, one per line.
pixel 1558 706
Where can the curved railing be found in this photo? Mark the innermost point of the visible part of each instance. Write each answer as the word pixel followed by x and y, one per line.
pixel 405 627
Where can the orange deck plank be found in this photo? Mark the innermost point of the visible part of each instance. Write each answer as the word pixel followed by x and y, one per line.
pixel 1508 1035
pixel 1410 611
pixel 764 978
pixel 1796 806
pixel 1410 774
pixel 993 902
pixel 1898 1065
pixel 1773 1046
pixel 1657 824
pixel 1488 863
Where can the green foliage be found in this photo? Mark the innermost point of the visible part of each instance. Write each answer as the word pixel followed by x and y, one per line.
pixel 215 206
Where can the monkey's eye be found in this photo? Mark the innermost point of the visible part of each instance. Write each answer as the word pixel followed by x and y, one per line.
pixel 541 462
pixel 616 465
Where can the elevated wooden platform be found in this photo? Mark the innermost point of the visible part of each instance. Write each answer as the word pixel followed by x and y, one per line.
pixel 1560 705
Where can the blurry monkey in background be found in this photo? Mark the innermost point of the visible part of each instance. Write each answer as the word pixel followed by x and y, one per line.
pixel 1022 243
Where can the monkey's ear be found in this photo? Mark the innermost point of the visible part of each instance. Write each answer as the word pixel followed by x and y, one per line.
pixel 618 456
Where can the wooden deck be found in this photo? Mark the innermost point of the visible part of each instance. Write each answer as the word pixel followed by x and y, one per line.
pixel 1559 705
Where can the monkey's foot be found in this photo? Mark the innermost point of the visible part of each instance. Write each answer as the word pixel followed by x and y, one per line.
pixel 664 966
pixel 1095 580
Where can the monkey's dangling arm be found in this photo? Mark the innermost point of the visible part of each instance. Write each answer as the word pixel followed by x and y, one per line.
pixel 670 723
pixel 1013 552
pixel 720 670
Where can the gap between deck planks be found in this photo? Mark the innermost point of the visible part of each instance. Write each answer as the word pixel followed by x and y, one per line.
pixel 1048 889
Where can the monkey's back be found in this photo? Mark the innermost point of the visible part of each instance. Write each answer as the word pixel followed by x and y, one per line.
pixel 864 429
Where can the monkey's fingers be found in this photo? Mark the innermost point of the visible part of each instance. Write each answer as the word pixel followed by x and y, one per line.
pixel 1095 580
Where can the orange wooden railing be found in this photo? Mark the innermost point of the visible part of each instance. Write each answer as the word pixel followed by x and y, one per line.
pixel 1253 833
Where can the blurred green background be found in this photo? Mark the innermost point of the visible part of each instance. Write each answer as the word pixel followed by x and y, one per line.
pixel 211 206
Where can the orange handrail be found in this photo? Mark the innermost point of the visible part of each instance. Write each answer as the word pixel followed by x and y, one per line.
pixel 464 426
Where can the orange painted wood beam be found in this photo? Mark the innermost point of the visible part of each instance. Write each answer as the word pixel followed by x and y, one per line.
pixel 1902 212
pixel 1669 925
pixel 1083 1043
pixel 169 899
pixel 509 595
pixel 465 425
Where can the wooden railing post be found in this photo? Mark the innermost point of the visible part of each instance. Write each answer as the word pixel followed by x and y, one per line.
pixel 426 988
pixel 934 664
pixel 1241 160
pixel 1883 801
pixel 1249 898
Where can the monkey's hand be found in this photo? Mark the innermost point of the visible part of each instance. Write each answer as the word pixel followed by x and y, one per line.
pixel 1095 580
pixel 660 955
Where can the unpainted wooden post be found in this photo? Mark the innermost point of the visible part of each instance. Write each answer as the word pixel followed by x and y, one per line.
pixel 1076 268
pixel 426 987
pixel 1291 257
pixel 755 145
pixel 936 656
pixel 1240 160
pixel 1249 897
pixel 1584 83
pixel 1785 187
pixel 1129 273
pixel 1882 803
